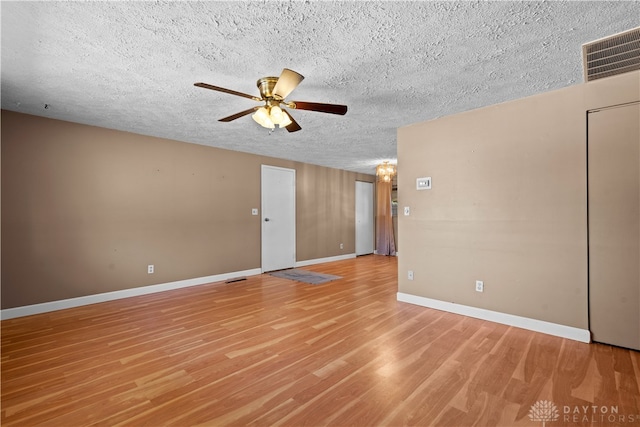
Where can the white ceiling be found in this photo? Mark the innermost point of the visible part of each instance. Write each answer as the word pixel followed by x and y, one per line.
pixel 131 65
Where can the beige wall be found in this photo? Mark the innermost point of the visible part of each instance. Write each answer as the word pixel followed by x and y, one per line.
pixel 508 204
pixel 86 209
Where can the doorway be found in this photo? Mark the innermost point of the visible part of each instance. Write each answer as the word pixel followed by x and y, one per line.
pixel 364 218
pixel 278 218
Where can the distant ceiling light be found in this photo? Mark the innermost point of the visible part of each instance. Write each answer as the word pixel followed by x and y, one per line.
pixel 385 172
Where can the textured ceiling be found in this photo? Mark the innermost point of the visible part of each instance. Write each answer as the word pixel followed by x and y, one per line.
pixel 131 65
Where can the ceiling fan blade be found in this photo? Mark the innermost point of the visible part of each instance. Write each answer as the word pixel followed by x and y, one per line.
pixel 293 126
pixel 229 91
pixel 316 106
pixel 287 82
pixel 238 115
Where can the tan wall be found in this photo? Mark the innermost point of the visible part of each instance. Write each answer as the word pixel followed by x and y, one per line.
pixel 508 204
pixel 86 209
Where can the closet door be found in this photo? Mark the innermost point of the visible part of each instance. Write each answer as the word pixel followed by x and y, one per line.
pixel 278 218
pixel 614 225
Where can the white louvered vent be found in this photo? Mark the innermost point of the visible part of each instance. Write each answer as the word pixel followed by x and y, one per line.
pixel 612 55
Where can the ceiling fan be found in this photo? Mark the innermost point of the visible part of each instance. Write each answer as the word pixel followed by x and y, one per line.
pixel 273 91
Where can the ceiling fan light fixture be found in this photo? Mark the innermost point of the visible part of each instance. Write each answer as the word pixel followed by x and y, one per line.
pixel 262 117
pixel 273 91
pixel 276 115
pixel 286 120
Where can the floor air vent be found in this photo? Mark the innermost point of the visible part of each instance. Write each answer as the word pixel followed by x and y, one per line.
pixel 612 55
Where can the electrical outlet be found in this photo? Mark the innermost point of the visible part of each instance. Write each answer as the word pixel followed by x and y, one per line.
pixel 341 245
pixel 410 274
pixel 150 269
pixel 479 286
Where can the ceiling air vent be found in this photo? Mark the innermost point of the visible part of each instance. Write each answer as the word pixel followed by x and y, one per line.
pixel 612 55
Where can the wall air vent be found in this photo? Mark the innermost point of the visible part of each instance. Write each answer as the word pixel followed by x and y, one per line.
pixel 612 55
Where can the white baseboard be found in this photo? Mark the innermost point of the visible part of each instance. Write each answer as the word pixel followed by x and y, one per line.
pixel 322 260
pixel 562 331
pixel 375 252
pixel 45 307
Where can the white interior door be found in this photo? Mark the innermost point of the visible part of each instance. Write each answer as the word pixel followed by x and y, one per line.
pixel 614 225
pixel 364 218
pixel 278 218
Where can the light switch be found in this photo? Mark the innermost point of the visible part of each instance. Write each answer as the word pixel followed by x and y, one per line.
pixel 254 211
pixel 423 183
pixel 407 211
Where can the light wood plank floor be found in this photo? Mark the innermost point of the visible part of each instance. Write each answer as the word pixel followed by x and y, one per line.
pixel 269 351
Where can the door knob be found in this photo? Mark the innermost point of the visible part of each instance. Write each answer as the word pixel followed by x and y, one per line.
pixel 266 219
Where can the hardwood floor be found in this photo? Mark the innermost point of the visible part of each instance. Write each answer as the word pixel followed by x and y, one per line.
pixel 270 351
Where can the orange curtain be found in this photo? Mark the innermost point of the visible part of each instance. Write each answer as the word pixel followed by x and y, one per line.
pixel 385 241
